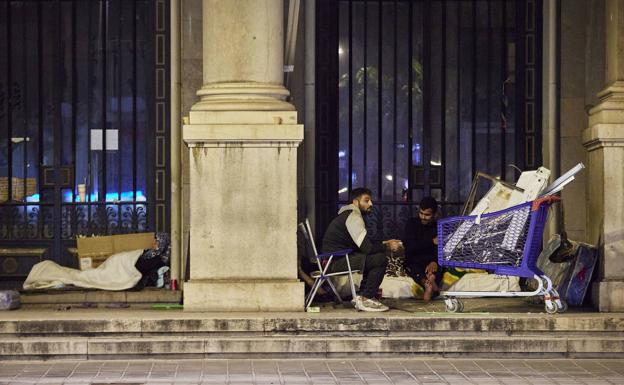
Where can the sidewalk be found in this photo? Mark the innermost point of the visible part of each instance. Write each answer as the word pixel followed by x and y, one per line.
pixel 324 372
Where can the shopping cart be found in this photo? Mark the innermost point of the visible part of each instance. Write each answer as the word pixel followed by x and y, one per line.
pixel 505 242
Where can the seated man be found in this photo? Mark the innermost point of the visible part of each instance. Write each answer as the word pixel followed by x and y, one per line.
pixel 421 248
pixel 348 231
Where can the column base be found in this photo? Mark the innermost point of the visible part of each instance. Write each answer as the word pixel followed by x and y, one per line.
pixel 608 296
pixel 249 295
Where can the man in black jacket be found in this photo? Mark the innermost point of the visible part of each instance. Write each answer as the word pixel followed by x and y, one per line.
pixel 348 231
pixel 421 247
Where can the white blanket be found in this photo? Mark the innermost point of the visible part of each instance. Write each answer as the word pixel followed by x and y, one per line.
pixel 116 273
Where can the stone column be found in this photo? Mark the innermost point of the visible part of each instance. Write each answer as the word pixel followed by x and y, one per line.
pixel 243 137
pixel 604 141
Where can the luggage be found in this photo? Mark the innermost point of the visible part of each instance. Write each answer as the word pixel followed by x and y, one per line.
pixel 9 300
pixel 575 284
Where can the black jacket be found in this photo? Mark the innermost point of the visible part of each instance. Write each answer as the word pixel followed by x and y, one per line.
pixel 418 242
pixel 337 237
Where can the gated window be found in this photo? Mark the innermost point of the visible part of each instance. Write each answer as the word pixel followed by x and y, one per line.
pixel 84 126
pixel 414 97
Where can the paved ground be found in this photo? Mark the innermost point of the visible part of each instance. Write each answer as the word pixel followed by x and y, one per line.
pixel 325 372
pixel 398 307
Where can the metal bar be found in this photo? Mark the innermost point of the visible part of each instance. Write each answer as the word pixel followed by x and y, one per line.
pixel 89 87
pixel 58 132
pixel 26 136
pixel 488 84
pixel 104 31
pixel 119 106
pixel 443 102
pixel 365 106
pixel 40 112
pixel 74 109
pixel 379 100
pixel 503 117
pixel 410 114
pixel 350 96
pixel 458 101
pixel 427 96
pixel 134 108
pixel 9 103
pixel 474 88
pixel 394 113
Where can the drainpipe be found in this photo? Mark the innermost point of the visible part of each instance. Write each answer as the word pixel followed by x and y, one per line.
pixel 310 111
pixel 551 97
pixel 176 146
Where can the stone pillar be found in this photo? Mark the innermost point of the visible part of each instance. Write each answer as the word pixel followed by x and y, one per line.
pixel 243 137
pixel 604 141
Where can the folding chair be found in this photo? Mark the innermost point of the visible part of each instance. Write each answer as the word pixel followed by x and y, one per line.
pixel 323 262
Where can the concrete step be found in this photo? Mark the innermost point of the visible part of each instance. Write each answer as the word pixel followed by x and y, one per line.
pixel 80 296
pixel 307 346
pixel 135 334
pixel 135 322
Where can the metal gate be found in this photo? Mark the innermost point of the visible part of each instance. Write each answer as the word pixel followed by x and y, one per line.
pixel 84 125
pixel 414 97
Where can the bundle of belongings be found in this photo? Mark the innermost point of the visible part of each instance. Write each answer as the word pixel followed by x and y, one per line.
pixel 117 262
pixel 501 195
pixel 570 265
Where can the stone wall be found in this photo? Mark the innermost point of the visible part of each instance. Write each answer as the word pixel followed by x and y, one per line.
pixel 582 77
pixel 191 47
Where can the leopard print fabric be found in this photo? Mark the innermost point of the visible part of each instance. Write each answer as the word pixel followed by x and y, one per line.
pixel 396 266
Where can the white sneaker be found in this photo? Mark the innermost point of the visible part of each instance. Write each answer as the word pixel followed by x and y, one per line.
pixel 369 304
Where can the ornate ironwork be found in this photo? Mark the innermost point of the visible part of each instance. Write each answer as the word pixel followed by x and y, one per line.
pixel 36 221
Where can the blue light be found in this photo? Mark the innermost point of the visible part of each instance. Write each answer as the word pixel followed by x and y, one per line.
pixel 126 196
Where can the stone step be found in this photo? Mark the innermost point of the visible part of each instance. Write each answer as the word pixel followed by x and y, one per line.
pixel 307 346
pixel 77 297
pixel 135 333
pixel 127 322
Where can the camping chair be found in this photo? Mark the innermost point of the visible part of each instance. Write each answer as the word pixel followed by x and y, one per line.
pixel 323 262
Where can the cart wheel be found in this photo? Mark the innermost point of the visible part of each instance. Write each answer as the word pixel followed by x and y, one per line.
pixel 550 307
pixel 452 305
pixel 564 306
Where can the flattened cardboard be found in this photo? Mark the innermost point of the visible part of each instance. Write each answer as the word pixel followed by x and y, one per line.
pixel 93 251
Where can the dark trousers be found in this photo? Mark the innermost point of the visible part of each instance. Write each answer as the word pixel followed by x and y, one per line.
pixel 372 266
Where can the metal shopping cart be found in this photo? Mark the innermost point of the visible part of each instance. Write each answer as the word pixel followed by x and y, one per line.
pixel 505 242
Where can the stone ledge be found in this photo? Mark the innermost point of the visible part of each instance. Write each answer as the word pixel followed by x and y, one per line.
pixel 603 135
pixel 113 348
pixel 310 324
pixel 79 326
pixel 100 296
pixel 43 347
pixel 243 117
pixel 199 134
pixel 203 325
pixel 98 346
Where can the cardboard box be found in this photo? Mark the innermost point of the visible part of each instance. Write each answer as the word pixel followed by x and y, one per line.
pixel 93 251
pixel 19 191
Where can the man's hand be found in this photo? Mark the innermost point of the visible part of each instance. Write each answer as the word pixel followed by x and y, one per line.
pixel 393 244
pixel 431 268
pixel 435 241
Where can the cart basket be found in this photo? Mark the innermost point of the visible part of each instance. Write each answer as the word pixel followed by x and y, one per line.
pixel 505 242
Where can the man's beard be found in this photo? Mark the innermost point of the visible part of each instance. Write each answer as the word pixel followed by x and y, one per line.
pixel 363 210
